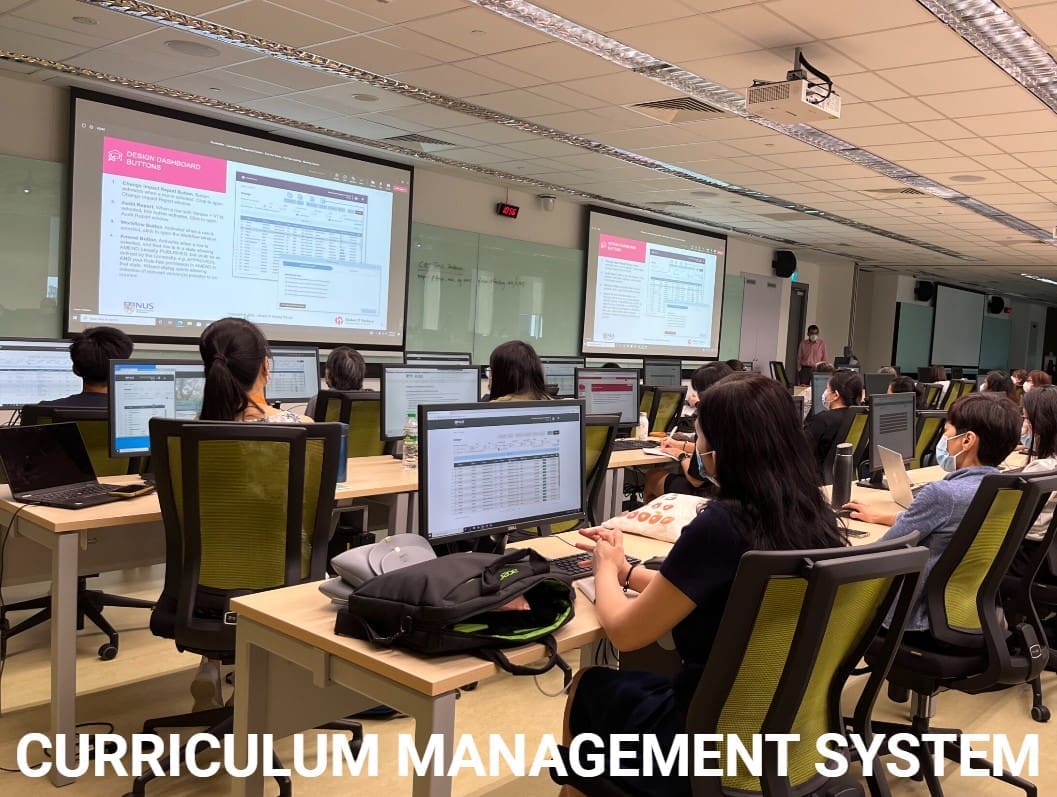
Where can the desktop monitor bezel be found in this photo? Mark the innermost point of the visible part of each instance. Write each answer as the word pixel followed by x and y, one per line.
pixel 667 361
pixel 112 393
pixel 866 380
pixel 48 343
pixel 622 424
pixel 447 355
pixel 382 378
pixel 880 401
pixel 515 524
pixel 575 362
pixel 284 350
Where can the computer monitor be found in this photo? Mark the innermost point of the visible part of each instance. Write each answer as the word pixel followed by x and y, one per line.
pixel 32 371
pixel 438 357
pixel 494 468
pixel 876 384
pixel 294 374
pixel 662 373
pixel 798 402
pixel 561 371
pixel 892 426
pixel 404 387
pixel 610 391
pixel 924 374
pixel 145 389
pixel 819 383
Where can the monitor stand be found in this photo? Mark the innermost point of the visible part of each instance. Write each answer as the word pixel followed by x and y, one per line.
pixel 875 481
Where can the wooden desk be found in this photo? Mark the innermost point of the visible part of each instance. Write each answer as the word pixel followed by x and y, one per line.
pixel 301 674
pixel 611 499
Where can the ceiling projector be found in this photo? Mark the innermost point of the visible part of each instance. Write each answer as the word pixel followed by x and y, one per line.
pixel 796 99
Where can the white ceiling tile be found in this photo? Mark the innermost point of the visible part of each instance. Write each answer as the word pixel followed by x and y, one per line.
pixel 367 52
pixel 1041 22
pixel 942 129
pixel 868 87
pixel 908 110
pixel 739 70
pixel 828 19
pixel 282 73
pixel 1030 142
pixel 910 46
pixel 1033 122
pixel 542 148
pixel 452 80
pixel 764 27
pixel 57 16
pixel 396 12
pixel 859 114
pixel 431 116
pixel 287 107
pixel 963 74
pixel 684 39
pixel 556 62
pixel 487 67
pixel 980 102
pixel 567 96
pixel 1045 158
pixel 362 127
pixel 884 134
pixel 493 133
pixel 229 86
pixel 901 152
pixel 519 103
pixel 343 99
pixel 605 15
pixel 271 21
pixel 40 46
pixel 478 31
pixel 621 89
pixel 409 39
pixel 972 146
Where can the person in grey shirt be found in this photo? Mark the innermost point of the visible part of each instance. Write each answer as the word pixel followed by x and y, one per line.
pixel 982 429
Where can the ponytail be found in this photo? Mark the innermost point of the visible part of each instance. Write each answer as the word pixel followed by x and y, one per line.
pixel 233 351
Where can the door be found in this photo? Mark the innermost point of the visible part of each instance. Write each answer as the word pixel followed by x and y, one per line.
pixel 797 325
pixel 760 311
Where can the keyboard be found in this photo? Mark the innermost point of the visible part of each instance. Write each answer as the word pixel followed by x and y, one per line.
pixel 75 493
pixel 634 445
pixel 570 565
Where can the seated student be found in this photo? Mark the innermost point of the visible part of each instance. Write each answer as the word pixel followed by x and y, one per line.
pixel 1018 376
pixel 1039 408
pixel 890 370
pixel 748 439
pixel 904 384
pixel 344 371
pixel 843 391
pixel 91 353
pixel 938 376
pixel 1036 379
pixel 688 480
pixel 515 373
pixel 999 382
pixel 820 368
pixel 235 355
pixel 736 365
pixel 981 431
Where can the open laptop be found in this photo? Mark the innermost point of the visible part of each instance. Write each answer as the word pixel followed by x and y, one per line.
pixel 49 465
pixel 897 477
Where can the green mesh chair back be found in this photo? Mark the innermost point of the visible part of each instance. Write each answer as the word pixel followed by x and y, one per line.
pixel 362 411
pixel 94 425
pixel 854 430
pixel 932 395
pixel 646 399
pixel 957 389
pixel 795 625
pixel 666 408
pixel 246 507
pixel 929 427
pixel 778 373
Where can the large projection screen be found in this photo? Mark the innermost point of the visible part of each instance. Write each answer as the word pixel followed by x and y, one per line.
pixel 651 289
pixel 177 221
pixel 957 326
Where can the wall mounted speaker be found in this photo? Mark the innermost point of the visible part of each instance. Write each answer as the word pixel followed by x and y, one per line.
pixel 924 291
pixel 784 263
pixel 995 305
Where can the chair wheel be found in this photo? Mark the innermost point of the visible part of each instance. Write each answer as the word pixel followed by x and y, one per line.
pixel 107 652
pixel 1040 713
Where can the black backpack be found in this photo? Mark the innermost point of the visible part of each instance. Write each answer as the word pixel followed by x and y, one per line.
pixel 450 605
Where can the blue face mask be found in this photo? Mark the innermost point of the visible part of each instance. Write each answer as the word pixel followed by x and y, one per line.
pixel 701 469
pixel 946 460
pixel 1025 440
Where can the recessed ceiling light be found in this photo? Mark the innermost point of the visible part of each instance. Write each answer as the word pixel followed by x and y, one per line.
pixel 196 49
pixel 477 32
pixel 365 97
pixel 705 194
pixel 216 89
pixel 84 21
pixel 967 178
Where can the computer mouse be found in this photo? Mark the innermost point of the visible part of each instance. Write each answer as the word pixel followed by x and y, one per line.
pixel 845 513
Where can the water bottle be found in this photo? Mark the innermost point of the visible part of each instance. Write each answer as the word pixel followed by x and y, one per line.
pixel 840 492
pixel 411 441
pixel 644 427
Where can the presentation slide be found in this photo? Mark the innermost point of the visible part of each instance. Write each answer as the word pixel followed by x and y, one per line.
pixel 651 289
pixel 176 223
pixel 957 327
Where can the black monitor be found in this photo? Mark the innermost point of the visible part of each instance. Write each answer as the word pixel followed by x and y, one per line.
pixel 32 371
pixel 798 401
pixel 662 372
pixel 925 374
pixel 145 389
pixel 956 372
pixel 610 391
pixel 404 387
pixel 294 374
pixel 494 468
pixel 438 357
pixel 876 384
pixel 892 426
pixel 561 371
pixel 819 383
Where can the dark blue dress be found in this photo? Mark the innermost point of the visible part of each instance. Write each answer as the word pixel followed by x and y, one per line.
pixel 702 564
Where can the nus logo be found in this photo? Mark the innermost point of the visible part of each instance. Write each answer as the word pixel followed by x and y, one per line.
pixel 139 307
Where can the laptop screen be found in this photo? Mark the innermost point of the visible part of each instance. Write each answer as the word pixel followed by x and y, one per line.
pixel 45 456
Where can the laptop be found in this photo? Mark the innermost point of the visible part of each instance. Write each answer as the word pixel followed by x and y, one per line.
pixel 49 465
pixel 897 477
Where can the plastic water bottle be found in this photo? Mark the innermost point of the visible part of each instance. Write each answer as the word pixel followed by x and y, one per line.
pixel 411 441
pixel 843 470
pixel 644 427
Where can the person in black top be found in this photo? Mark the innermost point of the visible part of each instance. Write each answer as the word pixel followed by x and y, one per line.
pixel 749 441
pixel 844 390
pixel 904 384
pixel 91 353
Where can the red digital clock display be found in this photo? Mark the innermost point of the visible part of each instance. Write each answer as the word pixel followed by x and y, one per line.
pixel 510 211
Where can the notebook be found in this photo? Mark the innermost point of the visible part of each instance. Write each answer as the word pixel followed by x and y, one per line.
pixel 49 465
pixel 896 476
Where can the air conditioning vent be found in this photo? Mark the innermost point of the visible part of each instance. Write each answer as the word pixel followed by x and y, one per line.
pixel 668 204
pixel 894 193
pixel 678 109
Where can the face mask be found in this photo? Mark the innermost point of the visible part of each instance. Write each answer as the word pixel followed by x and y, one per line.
pixel 812 338
pixel 701 470
pixel 1026 386
pixel 1025 440
pixel 946 460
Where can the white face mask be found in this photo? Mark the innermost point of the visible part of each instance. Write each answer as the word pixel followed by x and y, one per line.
pixel 812 338
pixel 1026 386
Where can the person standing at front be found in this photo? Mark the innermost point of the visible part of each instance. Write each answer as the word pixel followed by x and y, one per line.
pixel 811 350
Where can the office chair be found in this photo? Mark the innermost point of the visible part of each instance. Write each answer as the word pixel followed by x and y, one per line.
pixel 927 434
pixel 246 508
pixel 647 400
pixel 794 627
pixel 932 394
pixel 854 430
pixel 957 389
pixel 362 411
pixel 778 373
pixel 969 647
pixel 94 425
pixel 667 405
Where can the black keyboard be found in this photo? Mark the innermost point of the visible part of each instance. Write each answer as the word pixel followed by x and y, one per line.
pixel 633 445
pixel 570 565
pixel 74 493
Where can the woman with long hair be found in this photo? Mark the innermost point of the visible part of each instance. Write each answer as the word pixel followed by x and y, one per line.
pixel 843 391
pixel 767 498
pixel 515 373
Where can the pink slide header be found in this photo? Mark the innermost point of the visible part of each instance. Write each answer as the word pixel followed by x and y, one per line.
pixel 161 165
pixel 621 248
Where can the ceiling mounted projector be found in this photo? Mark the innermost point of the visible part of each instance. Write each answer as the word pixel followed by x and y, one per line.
pixel 796 99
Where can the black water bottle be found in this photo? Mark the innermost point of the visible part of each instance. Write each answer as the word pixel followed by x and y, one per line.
pixel 843 470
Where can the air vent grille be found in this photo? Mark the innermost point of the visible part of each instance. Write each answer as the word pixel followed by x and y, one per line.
pixel 680 104
pixel 678 109
pixel 895 192
pixel 418 138
pixel 770 92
